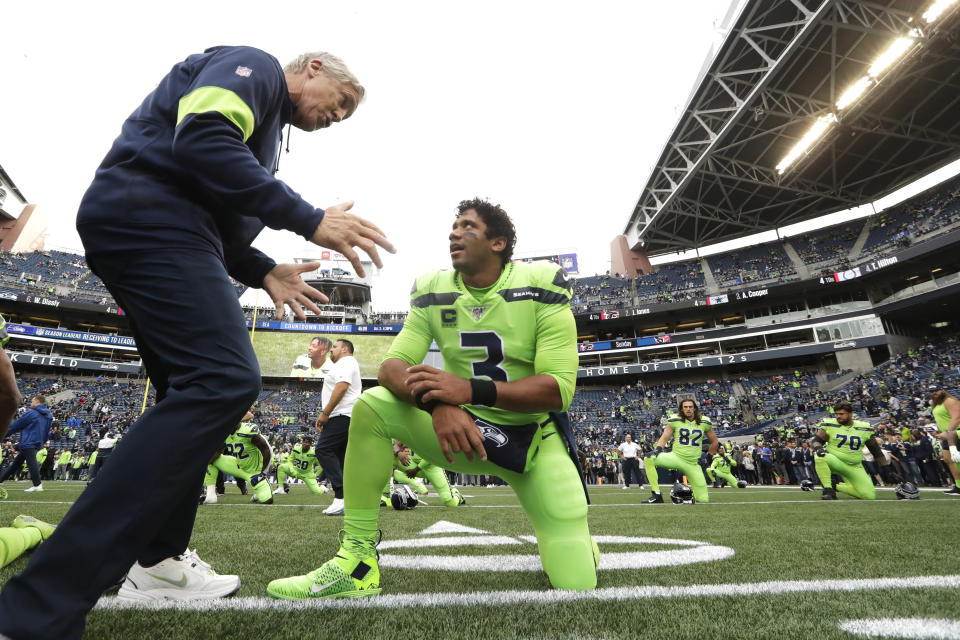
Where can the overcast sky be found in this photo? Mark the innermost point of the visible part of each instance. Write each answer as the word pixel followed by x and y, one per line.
pixel 554 110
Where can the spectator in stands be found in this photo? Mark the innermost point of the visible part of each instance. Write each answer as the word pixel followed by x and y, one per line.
pixel 793 458
pixel 873 469
pixel 47 462
pixel 171 212
pixel 923 453
pixel 765 455
pixel 806 455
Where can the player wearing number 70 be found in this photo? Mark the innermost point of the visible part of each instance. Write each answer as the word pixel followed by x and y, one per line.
pixel 838 448
pixel 687 431
pixel 508 341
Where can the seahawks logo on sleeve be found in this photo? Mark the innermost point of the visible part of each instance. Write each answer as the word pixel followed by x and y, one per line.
pixel 562 280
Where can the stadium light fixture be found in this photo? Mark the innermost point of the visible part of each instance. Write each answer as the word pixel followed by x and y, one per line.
pixel 813 134
pixel 851 95
pixel 936 10
pixel 893 53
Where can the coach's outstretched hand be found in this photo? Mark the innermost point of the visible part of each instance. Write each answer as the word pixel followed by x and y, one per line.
pixel 286 287
pixel 342 231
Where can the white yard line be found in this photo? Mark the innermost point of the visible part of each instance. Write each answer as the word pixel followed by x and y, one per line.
pixel 507 598
pixel 903 628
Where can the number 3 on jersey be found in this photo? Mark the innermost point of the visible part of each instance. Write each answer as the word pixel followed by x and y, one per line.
pixel 492 343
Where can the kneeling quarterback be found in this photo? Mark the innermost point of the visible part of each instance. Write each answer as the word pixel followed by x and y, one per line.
pixel 508 340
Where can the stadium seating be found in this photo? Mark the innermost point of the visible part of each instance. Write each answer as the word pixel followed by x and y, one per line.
pixel 672 282
pixel 827 246
pixel 599 293
pixel 758 264
pixel 66 275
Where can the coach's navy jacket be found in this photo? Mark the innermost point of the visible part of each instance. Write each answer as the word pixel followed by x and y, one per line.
pixel 194 166
pixel 35 425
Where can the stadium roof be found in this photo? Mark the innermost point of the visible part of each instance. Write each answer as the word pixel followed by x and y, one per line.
pixel 7 180
pixel 785 68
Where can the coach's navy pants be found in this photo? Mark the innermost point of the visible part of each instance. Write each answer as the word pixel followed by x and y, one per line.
pixel 192 337
pixel 26 455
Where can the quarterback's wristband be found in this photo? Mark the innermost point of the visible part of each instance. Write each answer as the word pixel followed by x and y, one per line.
pixel 483 392
pixel 426 406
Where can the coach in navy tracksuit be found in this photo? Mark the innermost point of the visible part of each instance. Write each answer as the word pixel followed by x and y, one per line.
pixel 172 210
pixel 34 428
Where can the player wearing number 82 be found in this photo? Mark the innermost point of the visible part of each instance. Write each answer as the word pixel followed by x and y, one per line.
pixel 687 431
pixel 508 340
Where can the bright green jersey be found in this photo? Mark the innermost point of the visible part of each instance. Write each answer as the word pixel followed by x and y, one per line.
pixel 64 458
pixel 41 455
pixel 721 463
pixel 78 461
pixel 846 442
pixel 93 458
pixel 4 338
pixel 239 444
pixel 304 462
pixel 303 368
pixel 519 327
pixel 689 436
pixel 942 416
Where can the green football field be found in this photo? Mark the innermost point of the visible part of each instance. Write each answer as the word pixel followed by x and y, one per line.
pixel 754 563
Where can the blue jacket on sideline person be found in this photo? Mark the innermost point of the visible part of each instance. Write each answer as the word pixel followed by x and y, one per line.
pixel 35 427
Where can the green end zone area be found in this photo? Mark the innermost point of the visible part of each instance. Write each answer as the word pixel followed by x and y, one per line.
pixel 782 574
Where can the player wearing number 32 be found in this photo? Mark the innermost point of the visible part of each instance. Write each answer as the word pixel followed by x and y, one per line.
pixel 688 431
pixel 508 340
pixel 246 455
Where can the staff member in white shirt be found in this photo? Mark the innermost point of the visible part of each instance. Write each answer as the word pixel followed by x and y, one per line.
pixel 341 388
pixel 631 468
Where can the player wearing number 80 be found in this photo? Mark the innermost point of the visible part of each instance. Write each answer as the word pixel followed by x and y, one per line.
pixel 838 445
pixel 508 341
pixel 301 464
pixel 688 430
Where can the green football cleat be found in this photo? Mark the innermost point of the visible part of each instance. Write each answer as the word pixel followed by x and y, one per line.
pixel 22 522
pixel 345 576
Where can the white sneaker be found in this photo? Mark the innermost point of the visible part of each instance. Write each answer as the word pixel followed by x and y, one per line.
pixel 39 487
pixel 183 577
pixel 335 508
pixel 278 491
pixel 211 497
pixel 626 488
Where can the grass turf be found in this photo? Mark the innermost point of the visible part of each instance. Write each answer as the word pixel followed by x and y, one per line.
pixel 777 534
